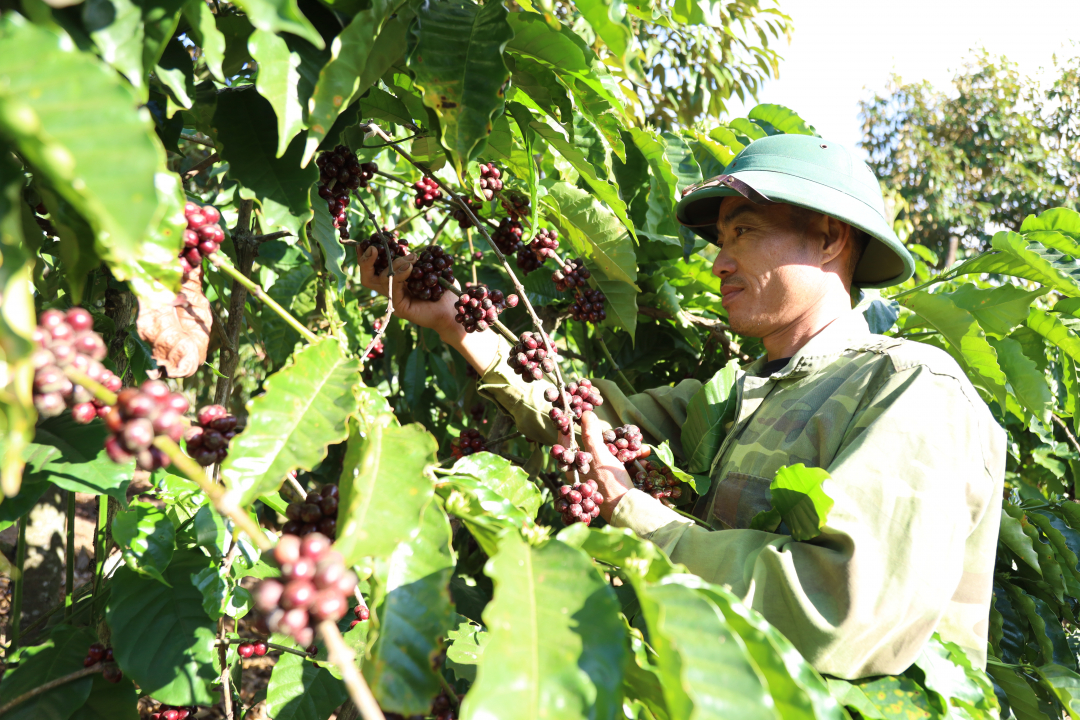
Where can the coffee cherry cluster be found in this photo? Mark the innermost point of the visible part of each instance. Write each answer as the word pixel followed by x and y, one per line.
pixel 515 204
pixel 427 192
pixel 99 653
pixel 315 585
pixel 362 613
pixel 656 480
pixel 68 340
pixel 544 243
pixel 583 397
pixel 442 708
pixel 208 442
pixel 527 261
pixel 468 442
pixel 569 459
pixel 462 217
pixel 141 414
pixel 433 263
pixel 340 173
pixel 316 513
pixel 489 180
pixel 588 306
pixel 249 649
pixel 507 237
pixel 529 359
pixel 572 276
pixel 203 235
pixel 378 349
pixel 625 443
pixel 478 307
pixel 398 248
pixel 174 712
pixel 580 503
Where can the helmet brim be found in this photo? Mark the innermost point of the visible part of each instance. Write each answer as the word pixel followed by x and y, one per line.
pixel 885 262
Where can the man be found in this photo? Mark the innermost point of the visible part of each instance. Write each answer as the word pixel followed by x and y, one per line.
pixel 916 461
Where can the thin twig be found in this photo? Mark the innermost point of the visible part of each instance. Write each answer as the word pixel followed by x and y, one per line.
pixel 20 584
pixel 1068 433
pixel 273 646
pixel 341 655
pixel 200 166
pixel 407 220
pixel 69 576
pixel 438 231
pixel 271 236
pixel 472 255
pixel 395 178
pixel 199 141
pixel 448 689
pixel 51 685
pixel 252 287
pixel 229 358
pixel 607 353
pixel 385 323
pixel 504 438
pixel 296 486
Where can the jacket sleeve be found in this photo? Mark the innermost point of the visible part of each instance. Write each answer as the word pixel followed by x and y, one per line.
pixel 915 473
pixel 660 413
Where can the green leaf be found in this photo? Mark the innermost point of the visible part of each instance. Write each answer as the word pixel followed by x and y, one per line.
pixel 322 229
pixel 887 698
pixel 248 140
pixel 556 637
pixel 998 309
pixel 665 189
pixel 146 537
pixel 413 615
pixel 275 16
pixel 1011 534
pixel 177 73
pixel 799 498
pixel 213 589
pixel 604 190
pixel 1065 685
pixel 466 647
pixel 1063 220
pixel 347 75
pixel 109 701
pixel 62 654
pixel 289 427
pixel 72 457
pixel 594 231
pixel 384 489
pixel 608 20
pixel 71 117
pixel 1022 699
pixel 276 81
pixel 414 379
pixel 1056 332
pixel 455 53
pixel 503 477
pixel 963 332
pixel 1027 381
pixel 620 547
pixel 295 292
pixel 487 514
pixel 205 34
pixel 713 679
pixel 162 637
pixel 950 674
pixel 1045 265
pixel 116 27
pixel 781 118
pixel 300 690
pixel 709 410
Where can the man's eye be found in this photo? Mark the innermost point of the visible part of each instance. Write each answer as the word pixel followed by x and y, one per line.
pixel 740 230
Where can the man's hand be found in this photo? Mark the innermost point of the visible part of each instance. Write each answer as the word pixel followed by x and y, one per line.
pixel 439 315
pixel 610 476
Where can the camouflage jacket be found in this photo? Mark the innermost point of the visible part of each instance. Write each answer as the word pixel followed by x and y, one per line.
pixel 917 465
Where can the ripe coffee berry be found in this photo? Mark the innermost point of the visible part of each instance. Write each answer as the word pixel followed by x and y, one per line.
pixel 316 513
pixel 339 174
pixel 245 650
pixel 478 307
pixel 63 340
pixel 427 192
pixel 527 261
pixel 398 248
pixel 529 359
pixel 582 396
pixel 314 586
pixel 490 182
pixel 174 712
pixel 656 480
pixel 572 276
pixel 515 204
pixel 462 217
pixel 625 443
pixel 569 459
pixel 588 306
pixel 138 417
pixel 579 503
pixel 378 348
pixel 433 263
pixel 361 612
pixel 208 442
pixel 507 237
pixel 468 442
pixel 203 235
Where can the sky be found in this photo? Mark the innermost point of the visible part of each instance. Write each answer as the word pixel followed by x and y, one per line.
pixel 844 50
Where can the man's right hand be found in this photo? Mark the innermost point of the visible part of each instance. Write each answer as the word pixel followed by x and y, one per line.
pixel 438 316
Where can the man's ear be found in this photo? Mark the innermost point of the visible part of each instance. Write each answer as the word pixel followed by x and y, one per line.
pixel 838 236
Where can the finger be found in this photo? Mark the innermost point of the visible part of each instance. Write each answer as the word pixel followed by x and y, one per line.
pixel 366 262
pixel 592 433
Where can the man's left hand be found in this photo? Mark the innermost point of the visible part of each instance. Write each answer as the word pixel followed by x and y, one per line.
pixel 610 476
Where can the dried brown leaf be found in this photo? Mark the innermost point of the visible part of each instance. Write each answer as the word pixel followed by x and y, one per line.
pixel 179 331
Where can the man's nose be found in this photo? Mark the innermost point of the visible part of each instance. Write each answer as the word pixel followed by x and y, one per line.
pixel 723 265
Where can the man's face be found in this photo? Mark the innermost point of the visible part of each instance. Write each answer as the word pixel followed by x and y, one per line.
pixel 770 270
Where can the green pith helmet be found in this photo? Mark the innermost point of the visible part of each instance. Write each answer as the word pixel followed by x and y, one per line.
pixel 811 173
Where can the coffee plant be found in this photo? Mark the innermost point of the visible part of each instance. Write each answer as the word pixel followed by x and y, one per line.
pixel 189 359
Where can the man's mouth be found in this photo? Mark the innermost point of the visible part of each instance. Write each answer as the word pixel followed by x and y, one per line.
pixel 729 291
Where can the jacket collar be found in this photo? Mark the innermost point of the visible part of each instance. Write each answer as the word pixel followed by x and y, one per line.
pixel 844 334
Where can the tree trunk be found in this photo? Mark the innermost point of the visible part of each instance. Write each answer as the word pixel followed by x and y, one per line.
pixel 950 256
